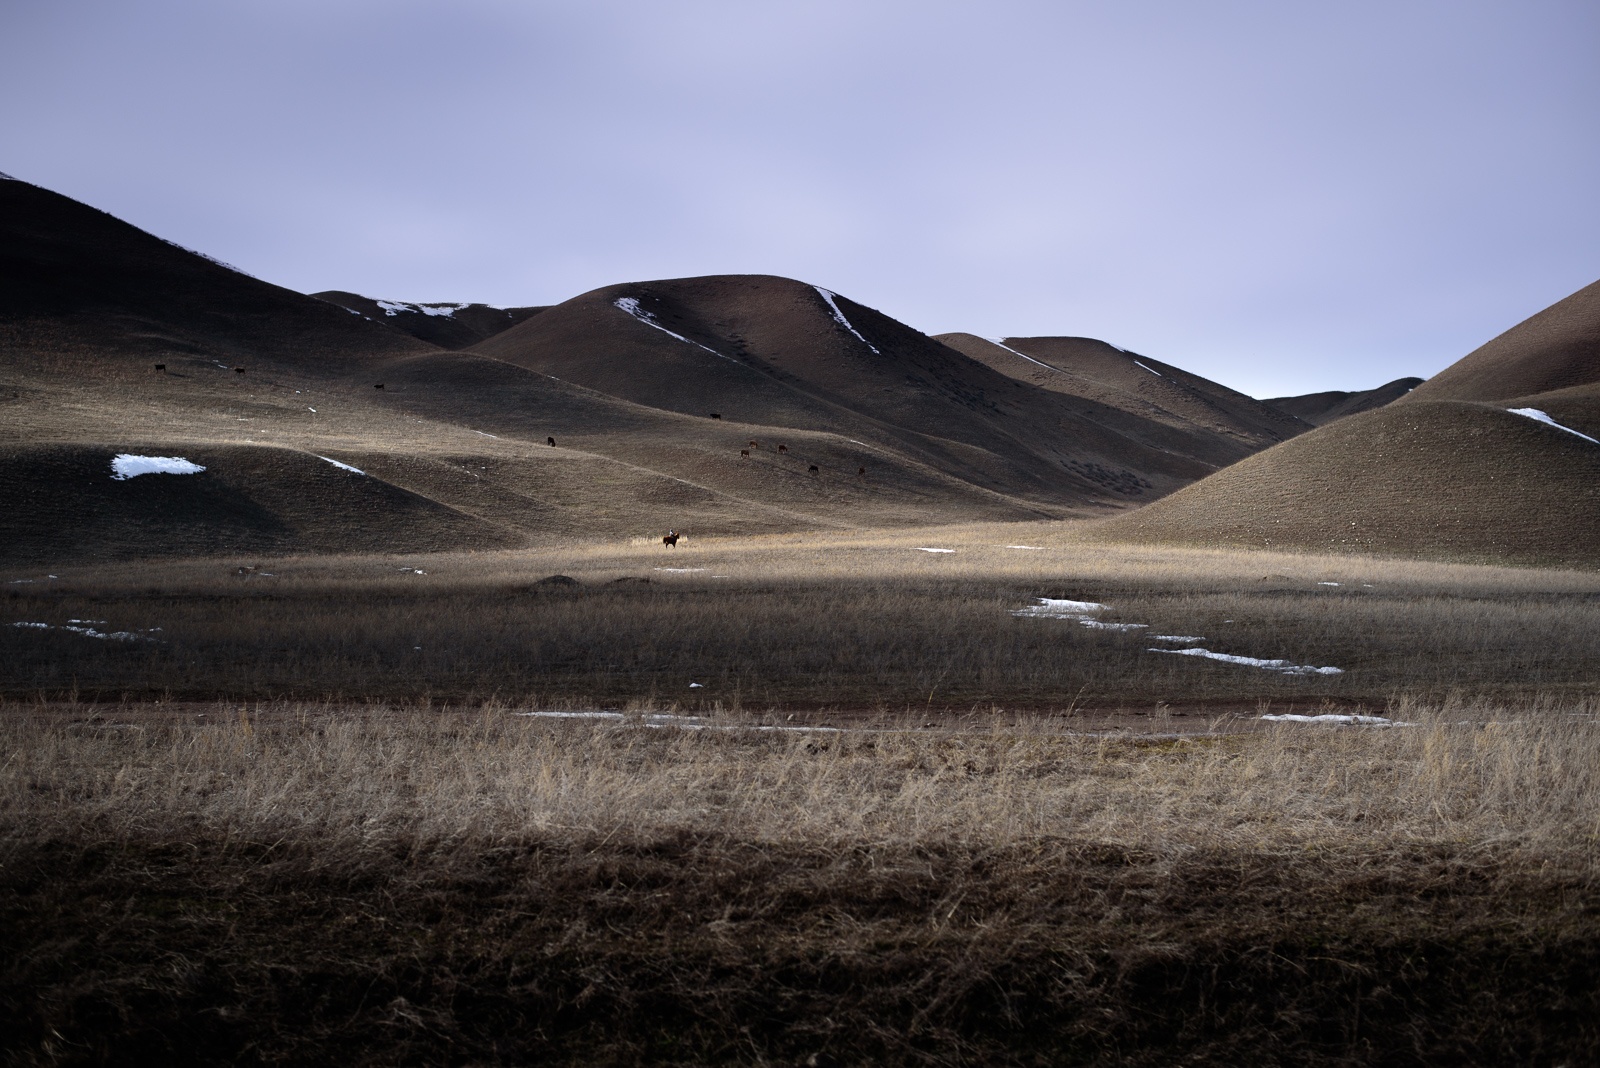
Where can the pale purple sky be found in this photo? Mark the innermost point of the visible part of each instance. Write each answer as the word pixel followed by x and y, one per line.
pixel 1285 197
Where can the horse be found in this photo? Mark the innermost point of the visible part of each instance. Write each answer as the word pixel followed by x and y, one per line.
pixel 671 539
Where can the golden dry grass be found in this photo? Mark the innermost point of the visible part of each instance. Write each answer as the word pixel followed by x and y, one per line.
pixel 317 882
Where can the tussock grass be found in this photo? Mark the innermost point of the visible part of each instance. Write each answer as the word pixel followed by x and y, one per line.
pixel 320 881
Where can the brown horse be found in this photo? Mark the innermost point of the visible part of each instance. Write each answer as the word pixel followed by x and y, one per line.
pixel 671 539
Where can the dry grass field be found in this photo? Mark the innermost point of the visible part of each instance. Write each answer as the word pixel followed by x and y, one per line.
pixel 433 809
pixel 315 883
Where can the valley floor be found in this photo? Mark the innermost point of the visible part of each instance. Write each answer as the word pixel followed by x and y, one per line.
pixel 923 807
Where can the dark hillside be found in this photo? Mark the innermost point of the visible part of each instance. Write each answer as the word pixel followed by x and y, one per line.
pixel 1320 408
pixel 450 326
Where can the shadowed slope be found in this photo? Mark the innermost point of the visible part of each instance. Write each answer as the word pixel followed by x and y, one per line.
pixel 1556 349
pixel 64 503
pixel 450 326
pixel 783 354
pixel 1445 479
pixel 1321 408
pixel 77 284
pixel 1167 409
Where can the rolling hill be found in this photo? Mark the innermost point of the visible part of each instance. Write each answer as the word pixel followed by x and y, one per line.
pixel 1320 408
pixel 1497 458
pixel 450 326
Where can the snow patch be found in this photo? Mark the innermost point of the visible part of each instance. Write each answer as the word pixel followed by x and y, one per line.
pixel 1058 608
pixel 126 465
pixel 678 570
pixel 1542 417
pixel 1281 666
pixel 1136 363
pixel 208 259
pixel 1181 639
pixel 838 317
pixel 1327 584
pixel 394 307
pixel 1024 546
pixel 90 632
pixel 340 466
pixel 925 549
pixel 1326 717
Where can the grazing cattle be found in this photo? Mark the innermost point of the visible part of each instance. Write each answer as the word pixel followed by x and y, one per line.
pixel 238 370
pixel 745 453
pixel 378 386
pixel 716 415
pixel 551 442
pixel 755 444
pixel 161 367
pixel 813 469
pixel 861 472
pixel 671 539
pixel 783 448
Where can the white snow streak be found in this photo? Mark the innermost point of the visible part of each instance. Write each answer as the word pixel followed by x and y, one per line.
pixel 1152 370
pixel 1001 344
pixel 1058 608
pixel 838 317
pixel 1282 666
pixel 1352 719
pixel 126 465
pixel 393 307
pixel 1182 639
pixel 1541 417
pixel 631 306
pixel 340 466
pixel 90 632
pixel 925 549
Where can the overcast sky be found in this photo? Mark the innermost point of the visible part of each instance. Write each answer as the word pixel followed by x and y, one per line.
pixel 1284 196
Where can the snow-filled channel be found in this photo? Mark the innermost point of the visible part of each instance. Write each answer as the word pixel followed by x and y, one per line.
pixel 926 549
pixel 1059 608
pixel 997 343
pixel 838 317
pixel 340 466
pixel 126 465
pixel 1152 370
pixel 1543 417
pixel 1281 666
pixel 1330 717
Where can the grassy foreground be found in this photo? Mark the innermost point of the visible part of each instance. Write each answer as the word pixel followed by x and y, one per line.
pixel 321 883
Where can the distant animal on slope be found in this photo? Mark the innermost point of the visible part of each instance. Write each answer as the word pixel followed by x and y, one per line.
pixel 551 442
pixel 783 448
pixel 755 444
pixel 813 469
pixel 161 367
pixel 716 415
pixel 378 385
pixel 238 370
pixel 671 539
pixel 745 453
pixel 861 472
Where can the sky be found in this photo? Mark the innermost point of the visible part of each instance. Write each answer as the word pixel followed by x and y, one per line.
pixel 1282 196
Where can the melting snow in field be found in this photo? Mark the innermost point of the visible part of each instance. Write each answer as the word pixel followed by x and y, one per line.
pixel 660 720
pixel 1182 639
pixel 1282 666
pixel 392 307
pixel 126 465
pixel 90 632
pixel 1374 721
pixel 1541 417
pixel 678 570
pixel 1058 608
pixel 631 306
pixel 925 549
pixel 340 466
pixel 1152 370
pixel 1001 344
pixel 1327 584
pixel 838 317
pixel 1024 546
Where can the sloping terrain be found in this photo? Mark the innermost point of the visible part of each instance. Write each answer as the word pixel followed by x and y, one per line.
pixel 1555 349
pixel 1320 408
pixel 1497 457
pixel 450 326
pixel 1447 479
pixel 1143 398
